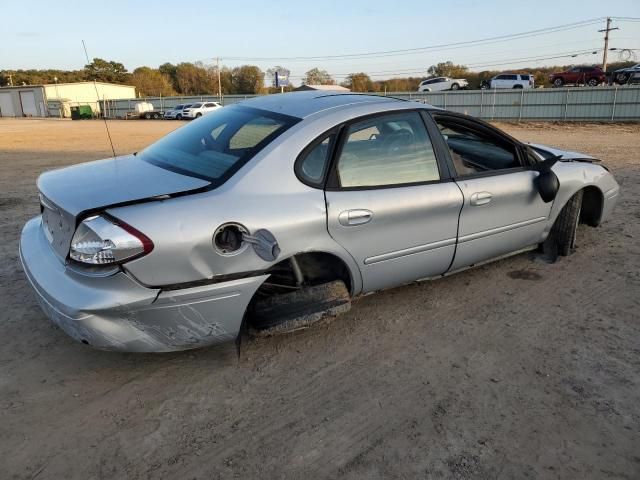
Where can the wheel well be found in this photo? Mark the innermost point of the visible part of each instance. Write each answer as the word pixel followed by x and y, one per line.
pixel 316 268
pixel 592 202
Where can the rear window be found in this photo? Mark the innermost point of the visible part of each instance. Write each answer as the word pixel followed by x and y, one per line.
pixel 218 144
pixel 524 77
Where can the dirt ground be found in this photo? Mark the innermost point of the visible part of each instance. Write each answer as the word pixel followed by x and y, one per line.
pixel 518 369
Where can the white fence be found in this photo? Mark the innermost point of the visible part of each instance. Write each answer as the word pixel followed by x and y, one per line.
pixel 555 104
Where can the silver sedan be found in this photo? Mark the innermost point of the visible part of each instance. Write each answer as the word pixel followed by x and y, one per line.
pixel 274 213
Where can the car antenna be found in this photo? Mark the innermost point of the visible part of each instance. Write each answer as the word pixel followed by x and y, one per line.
pixel 95 85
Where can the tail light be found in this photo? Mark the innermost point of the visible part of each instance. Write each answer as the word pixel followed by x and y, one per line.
pixel 101 240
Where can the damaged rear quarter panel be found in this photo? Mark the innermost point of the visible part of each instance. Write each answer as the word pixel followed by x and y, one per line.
pixel 264 194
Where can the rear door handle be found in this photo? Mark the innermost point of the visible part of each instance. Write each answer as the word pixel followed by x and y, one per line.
pixel 355 217
pixel 480 198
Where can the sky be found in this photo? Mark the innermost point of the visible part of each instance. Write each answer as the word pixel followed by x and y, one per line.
pixel 44 34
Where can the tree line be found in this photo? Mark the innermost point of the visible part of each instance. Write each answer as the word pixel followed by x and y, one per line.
pixel 195 78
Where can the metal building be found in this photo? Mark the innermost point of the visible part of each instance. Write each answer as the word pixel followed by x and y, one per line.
pixel 56 100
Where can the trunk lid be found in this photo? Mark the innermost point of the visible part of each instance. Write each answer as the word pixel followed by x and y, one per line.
pixel 68 192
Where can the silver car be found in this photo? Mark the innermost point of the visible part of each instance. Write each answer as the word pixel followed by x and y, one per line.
pixel 275 212
pixel 176 112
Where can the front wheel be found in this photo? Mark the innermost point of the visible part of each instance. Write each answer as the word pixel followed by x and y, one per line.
pixel 455 86
pixel 179 116
pixel 562 238
pixel 198 115
pixel 558 82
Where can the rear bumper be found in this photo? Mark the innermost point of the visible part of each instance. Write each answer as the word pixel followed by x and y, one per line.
pixel 117 313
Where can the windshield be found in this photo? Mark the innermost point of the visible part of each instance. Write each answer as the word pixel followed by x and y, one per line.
pixel 218 144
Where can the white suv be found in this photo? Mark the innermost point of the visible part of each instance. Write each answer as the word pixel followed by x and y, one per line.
pixel 511 80
pixel 196 110
pixel 442 83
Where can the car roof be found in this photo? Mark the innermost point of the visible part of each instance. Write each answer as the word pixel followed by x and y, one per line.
pixel 304 104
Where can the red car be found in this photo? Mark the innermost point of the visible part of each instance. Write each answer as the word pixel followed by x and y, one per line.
pixel 591 76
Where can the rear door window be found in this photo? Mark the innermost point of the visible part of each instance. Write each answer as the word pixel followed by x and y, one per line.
pixel 387 150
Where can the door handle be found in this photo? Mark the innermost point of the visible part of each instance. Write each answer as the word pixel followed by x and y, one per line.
pixel 355 217
pixel 480 198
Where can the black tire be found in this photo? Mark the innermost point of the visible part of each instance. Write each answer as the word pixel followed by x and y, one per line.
pixel 198 115
pixel 562 238
pixel 622 78
pixel 455 86
pixel 156 116
pixel 147 116
pixel 558 82
pixel 593 82
pixel 517 87
pixel 179 116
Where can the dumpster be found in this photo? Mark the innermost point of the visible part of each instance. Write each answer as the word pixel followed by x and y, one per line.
pixel 81 112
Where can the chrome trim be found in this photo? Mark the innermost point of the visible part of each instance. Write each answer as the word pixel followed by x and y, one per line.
pixel 493 231
pixel 409 251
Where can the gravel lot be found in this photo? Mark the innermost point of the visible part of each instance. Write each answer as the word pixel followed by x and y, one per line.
pixel 512 370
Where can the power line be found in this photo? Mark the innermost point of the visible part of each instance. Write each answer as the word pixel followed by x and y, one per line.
pixel 409 51
pixel 477 65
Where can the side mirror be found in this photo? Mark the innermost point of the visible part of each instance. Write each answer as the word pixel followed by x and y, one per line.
pixel 547 182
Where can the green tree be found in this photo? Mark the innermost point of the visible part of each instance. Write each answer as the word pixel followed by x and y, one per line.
pixel 194 79
pixel 358 82
pixel 448 69
pixel 169 70
pixel 150 82
pixel 106 71
pixel 247 79
pixel 315 76
pixel 409 84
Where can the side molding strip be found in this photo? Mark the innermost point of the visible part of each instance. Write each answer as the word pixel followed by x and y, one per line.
pixel 409 251
pixel 493 231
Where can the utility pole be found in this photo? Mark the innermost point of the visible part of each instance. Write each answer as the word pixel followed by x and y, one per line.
pixel 606 43
pixel 219 86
